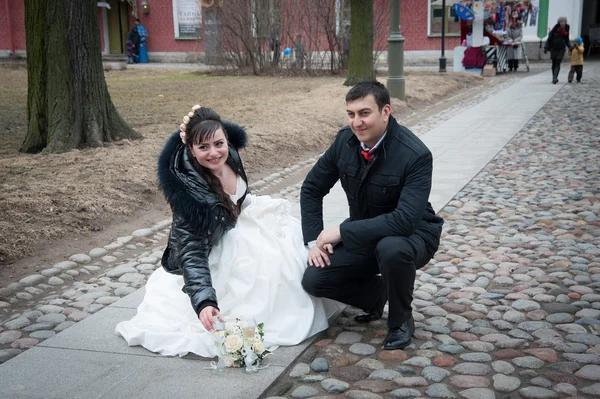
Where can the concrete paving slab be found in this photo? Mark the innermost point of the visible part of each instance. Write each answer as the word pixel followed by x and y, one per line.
pixel 97 333
pixel 97 363
pixel 131 301
pixel 54 373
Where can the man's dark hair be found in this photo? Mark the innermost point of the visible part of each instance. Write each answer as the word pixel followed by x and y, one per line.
pixel 137 20
pixel 363 89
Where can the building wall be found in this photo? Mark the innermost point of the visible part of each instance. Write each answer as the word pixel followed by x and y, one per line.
pixel 572 9
pixel 161 31
pixel 16 9
pixel 162 45
pixel 414 27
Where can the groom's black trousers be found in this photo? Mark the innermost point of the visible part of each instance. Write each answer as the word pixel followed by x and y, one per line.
pixel 353 276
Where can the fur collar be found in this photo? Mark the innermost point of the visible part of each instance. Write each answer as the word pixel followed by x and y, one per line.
pixel 185 189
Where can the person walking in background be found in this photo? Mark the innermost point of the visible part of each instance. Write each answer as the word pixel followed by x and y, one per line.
pixel 143 33
pixel 558 40
pixel 576 54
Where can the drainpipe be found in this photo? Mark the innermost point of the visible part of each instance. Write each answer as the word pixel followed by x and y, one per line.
pixel 10 31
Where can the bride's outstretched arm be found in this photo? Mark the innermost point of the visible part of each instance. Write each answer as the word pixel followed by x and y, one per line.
pixel 192 252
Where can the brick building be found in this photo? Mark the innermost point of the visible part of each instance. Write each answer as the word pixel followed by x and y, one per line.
pixel 179 31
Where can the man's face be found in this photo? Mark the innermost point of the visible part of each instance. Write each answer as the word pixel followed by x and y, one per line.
pixel 366 121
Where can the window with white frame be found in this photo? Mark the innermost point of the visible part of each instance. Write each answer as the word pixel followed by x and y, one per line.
pixel 266 17
pixel 436 15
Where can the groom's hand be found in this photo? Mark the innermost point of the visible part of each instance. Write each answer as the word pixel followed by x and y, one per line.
pixel 329 236
pixel 318 257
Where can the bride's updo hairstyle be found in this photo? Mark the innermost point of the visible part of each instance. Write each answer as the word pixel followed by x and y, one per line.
pixel 201 127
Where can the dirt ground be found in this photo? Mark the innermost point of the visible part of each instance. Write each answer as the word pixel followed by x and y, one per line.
pixel 55 205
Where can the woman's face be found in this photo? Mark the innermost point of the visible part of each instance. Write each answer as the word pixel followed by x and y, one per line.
pixel 562 23
pixel 212 153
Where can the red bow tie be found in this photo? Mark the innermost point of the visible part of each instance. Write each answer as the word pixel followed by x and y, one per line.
pixel 368 155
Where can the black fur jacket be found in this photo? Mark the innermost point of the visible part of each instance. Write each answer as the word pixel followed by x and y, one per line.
pixel 199 219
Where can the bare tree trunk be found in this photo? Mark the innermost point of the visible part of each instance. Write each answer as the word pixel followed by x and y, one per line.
pixel 360 67
pixel 37 102
pixel 68 104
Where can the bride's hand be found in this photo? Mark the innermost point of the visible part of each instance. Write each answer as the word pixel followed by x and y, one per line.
pixel 206 317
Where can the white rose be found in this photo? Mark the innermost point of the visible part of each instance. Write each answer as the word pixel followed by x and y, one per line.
pixel 196 107
pixel 233 343
pixel 191 114
pixel 186 119
pixel 258 347
pixel 228 361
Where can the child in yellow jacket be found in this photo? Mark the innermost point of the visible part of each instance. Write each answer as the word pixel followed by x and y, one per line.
pixel 576 54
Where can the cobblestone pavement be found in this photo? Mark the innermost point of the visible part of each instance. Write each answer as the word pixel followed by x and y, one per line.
pixel 510 306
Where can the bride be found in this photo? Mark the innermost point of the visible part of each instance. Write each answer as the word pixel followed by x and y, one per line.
pixel 230 254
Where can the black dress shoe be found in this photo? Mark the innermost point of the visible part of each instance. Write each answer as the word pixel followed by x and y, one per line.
pixel 400 337
pixel 367 317
pixel 374 314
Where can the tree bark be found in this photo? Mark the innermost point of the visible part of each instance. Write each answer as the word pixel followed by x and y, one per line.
pixel 360 67
pixel 68 104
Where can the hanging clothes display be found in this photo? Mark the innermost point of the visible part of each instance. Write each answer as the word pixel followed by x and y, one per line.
pixel 534 9
pixel 501 12
pixel 463 12
pixel 499 16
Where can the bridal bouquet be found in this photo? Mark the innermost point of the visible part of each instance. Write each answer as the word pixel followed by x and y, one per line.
pixel 240 344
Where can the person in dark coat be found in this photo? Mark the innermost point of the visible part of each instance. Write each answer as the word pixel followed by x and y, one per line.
pixel 133 43
pixel 386 173
pixel 557 43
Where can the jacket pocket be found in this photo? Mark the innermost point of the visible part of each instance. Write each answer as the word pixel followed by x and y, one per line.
pixel 384 191
pixel 349 179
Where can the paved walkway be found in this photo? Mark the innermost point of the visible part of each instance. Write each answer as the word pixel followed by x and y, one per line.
pixel 520 237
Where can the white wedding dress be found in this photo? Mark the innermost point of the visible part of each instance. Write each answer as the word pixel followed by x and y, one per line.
pixel 256 270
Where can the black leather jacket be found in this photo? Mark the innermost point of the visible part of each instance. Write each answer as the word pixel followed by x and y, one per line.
pixel 387 196
pixel 199 219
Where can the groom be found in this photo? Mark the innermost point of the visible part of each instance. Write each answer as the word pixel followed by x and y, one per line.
pixel 385 171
